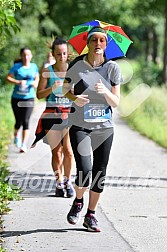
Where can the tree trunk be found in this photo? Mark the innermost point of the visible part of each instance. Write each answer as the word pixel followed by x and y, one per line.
pixel 155 46
pixel 149 43
pixel 146 46
pixel 165 50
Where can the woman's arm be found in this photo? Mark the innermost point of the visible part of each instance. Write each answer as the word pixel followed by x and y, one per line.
pixel 79 100
pixel 112 97
pixel 66 89
pixel 36 81
pixel 42 91
pixel 10 78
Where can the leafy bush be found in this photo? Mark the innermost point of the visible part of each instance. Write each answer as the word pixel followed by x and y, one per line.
pixel 8 23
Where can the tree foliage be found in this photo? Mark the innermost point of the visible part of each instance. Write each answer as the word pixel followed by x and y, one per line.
pixel 8 22
pixel 40 20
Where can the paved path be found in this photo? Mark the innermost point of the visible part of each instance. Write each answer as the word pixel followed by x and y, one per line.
pixel 132 210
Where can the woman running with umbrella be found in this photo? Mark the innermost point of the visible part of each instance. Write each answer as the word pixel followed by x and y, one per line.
pixel 93 84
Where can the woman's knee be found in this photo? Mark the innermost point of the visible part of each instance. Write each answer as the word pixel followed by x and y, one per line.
pixel 26 125
pixel 83 178
pixel 57 154
pixel 17 125
pixel 68 153
pixel 98 180
pixel 97 186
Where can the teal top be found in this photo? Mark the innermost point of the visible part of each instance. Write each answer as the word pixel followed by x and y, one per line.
pixel 56 98
pixel 21 72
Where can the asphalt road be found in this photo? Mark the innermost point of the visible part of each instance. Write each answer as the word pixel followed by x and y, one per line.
pixel 132 210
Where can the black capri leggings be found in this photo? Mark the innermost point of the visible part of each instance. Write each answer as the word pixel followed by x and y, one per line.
pixel 22 110
pixel 100 142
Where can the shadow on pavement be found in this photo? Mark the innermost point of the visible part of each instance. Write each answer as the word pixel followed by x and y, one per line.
pixel 59 230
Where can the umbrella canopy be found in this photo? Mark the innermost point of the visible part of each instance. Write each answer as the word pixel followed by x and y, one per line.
pixel 118 41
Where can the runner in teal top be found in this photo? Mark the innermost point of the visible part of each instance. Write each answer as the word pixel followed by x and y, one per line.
pixel 53 124
pixel 21 72
pixel 24 75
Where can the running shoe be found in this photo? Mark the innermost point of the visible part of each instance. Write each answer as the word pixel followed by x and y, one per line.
pixel 73 216
pixel 69 189
pixel 17 141
pixel 59 192
pixel 23 148
pixel 90 222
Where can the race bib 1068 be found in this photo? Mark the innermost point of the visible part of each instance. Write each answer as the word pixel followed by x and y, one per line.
pixel 96 113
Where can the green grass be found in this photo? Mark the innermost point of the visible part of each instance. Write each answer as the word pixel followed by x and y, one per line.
pixel 150 118
pixel 7 192
pixel 2 250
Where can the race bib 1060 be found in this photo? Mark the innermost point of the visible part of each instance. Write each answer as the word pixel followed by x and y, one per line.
pixel 96 113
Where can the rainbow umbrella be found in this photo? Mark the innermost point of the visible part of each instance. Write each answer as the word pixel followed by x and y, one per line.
pixel 118 41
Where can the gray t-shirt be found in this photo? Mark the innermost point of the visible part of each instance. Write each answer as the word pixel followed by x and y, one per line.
pixel 82 79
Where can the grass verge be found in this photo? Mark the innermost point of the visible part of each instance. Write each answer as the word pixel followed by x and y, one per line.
pixel 150 117
pixel 7 192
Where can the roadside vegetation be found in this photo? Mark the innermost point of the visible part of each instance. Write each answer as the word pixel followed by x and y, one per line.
pixel 7 192
pixel 150 116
